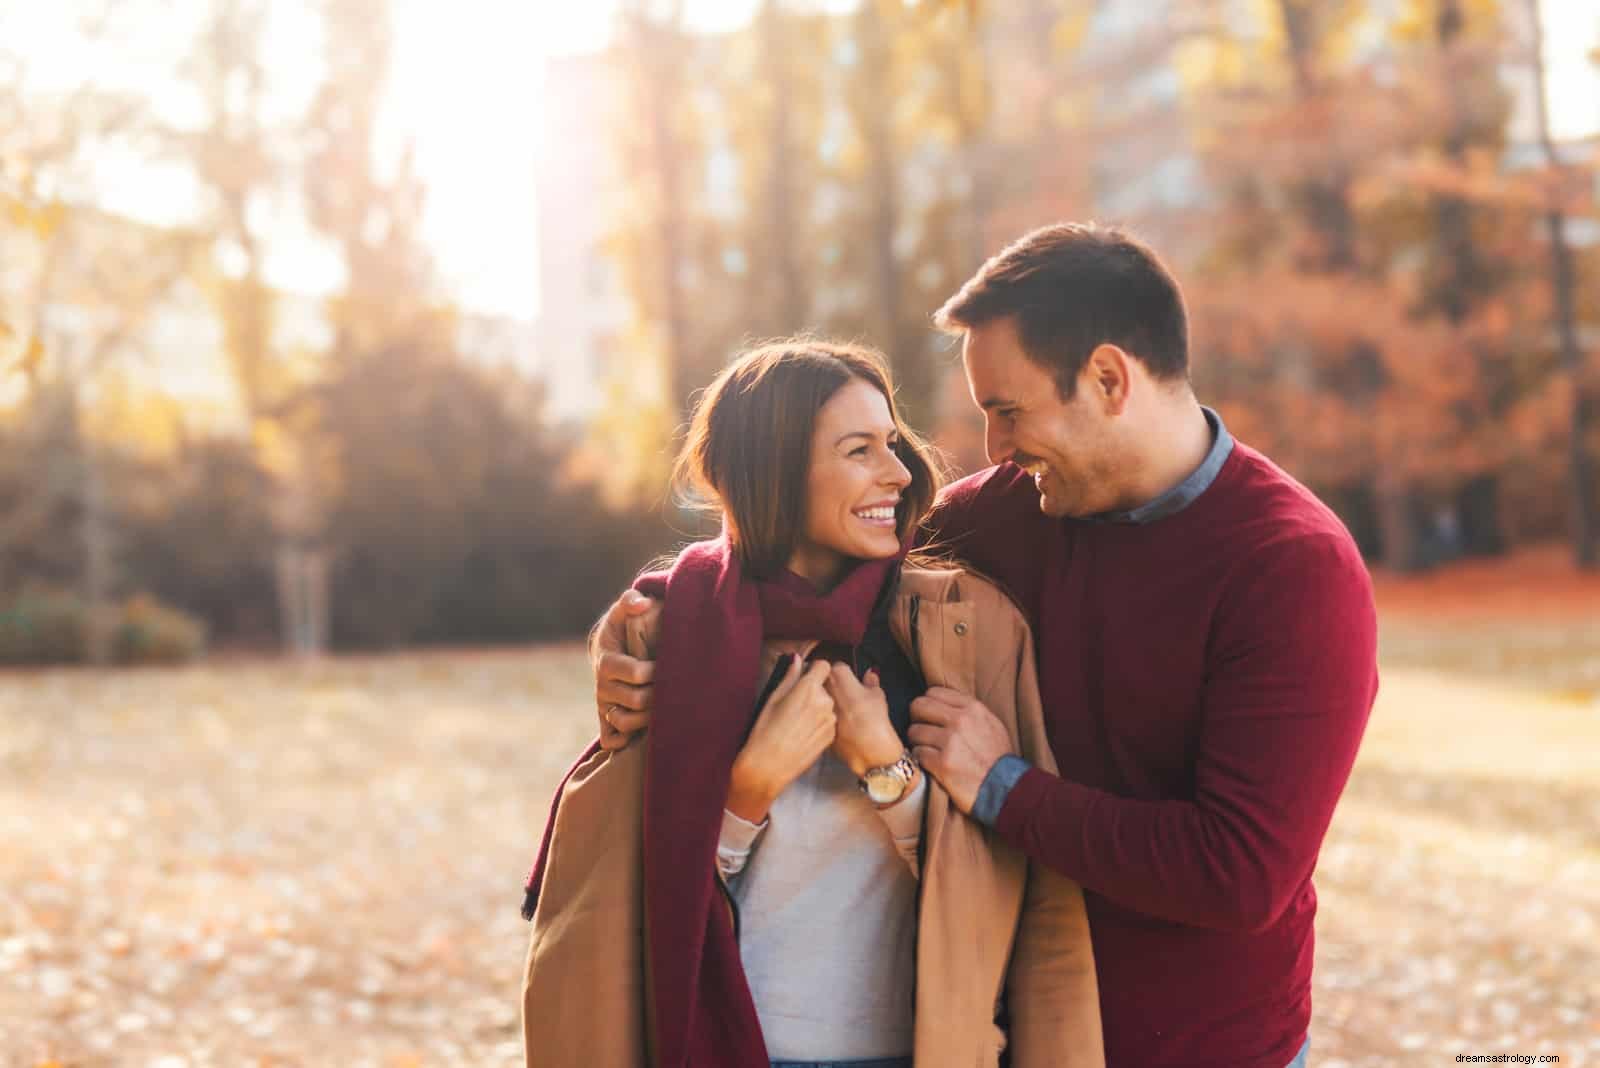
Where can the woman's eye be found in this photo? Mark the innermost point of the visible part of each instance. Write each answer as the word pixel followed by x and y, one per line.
pixel 859 450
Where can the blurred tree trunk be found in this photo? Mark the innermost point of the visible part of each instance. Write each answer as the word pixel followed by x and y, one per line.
pixel 974 149
pixel 874 104
pixel 1326 208
pixel 1466 280
pixel 235 157
pixel 791 300
pixel 1325 198
pixel 657 52
pixel 1585 523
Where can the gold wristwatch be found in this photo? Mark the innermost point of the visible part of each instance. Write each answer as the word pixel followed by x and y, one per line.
pixel 888 784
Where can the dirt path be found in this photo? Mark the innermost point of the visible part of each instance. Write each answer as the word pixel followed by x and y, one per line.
pixel 267 864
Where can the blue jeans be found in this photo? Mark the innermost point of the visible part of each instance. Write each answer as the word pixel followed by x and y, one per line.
pixel 881 1062
pixel 1302 1058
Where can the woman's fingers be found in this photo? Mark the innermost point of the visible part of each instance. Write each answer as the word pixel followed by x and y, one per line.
pixel 794 677
pixel 791 676
pixel 843 685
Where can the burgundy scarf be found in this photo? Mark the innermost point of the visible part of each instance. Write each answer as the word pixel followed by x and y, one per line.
pixel 706 684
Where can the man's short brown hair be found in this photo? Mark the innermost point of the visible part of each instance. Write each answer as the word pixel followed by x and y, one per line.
pixel 1072 287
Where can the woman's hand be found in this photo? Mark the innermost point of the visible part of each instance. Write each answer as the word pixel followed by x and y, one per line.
pixel 794 728
pixel 865 738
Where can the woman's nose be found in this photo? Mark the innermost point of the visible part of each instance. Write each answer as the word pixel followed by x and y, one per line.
pixel 898 475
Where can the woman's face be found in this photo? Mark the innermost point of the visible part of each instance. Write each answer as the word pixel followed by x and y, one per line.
pixel 853 486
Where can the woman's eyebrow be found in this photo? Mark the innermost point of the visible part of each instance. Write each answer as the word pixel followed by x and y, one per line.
pixel 865 434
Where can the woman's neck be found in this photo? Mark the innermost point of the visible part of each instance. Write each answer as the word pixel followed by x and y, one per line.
pixel 821 567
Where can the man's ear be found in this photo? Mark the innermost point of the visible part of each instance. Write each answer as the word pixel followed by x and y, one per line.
pixel 1109 375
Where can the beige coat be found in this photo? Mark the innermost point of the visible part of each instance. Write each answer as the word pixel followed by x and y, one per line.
pixel 986 918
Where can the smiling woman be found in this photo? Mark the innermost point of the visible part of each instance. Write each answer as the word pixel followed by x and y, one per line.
pixel 811 466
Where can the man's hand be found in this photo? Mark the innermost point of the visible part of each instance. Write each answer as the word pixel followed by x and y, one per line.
pixel 623 689
pixel 957 740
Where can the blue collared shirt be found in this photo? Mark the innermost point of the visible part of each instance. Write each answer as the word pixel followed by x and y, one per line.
pixel 1008 769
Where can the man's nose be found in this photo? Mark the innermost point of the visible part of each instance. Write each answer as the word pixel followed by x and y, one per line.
pixel 996 441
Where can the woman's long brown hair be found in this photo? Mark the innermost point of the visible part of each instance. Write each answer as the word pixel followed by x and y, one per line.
pixel 748 451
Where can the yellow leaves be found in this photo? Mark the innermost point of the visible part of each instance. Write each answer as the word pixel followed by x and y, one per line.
pixel 1070 30
pixel 133 416
pixel 275 447
pixel 43 219
pixel 28 362
pixel 31 359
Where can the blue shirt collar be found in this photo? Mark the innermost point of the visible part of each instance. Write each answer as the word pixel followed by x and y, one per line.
pixel 1186 492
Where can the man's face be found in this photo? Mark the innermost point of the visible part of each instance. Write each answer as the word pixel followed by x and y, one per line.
pixel 1065 444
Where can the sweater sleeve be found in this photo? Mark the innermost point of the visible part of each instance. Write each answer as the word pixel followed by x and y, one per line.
pixel 990 523
pixel 1290 679
pixel 734 843
pixel 904 821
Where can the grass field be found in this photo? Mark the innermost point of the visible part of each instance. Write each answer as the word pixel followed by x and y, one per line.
pixel 261 863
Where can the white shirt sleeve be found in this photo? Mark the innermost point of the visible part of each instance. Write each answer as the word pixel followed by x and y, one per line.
pixel 734 844
pixel 904 820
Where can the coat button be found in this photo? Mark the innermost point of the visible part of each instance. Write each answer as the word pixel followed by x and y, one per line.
pixel 961 627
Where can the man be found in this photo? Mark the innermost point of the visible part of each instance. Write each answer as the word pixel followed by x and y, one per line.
pixel 1206 640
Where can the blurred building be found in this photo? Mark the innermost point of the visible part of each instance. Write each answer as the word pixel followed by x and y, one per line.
pixel 583 309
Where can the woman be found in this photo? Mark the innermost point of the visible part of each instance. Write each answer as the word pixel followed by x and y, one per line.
pixel 794 890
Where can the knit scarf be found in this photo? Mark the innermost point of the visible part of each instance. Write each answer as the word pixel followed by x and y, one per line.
pixel 708 662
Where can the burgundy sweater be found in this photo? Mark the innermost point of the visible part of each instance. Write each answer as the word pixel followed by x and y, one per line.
pixel 1206 679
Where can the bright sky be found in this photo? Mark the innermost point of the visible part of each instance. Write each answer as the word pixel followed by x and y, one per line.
pixel 467 83
pixel 465 90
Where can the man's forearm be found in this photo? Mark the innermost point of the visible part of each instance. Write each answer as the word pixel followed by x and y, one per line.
pixel 1178 860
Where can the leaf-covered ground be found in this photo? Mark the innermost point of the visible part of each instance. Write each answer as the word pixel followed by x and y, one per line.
pixel 265 863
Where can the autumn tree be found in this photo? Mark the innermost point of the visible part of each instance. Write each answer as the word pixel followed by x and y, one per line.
pixel 76 290
pixel 1563 284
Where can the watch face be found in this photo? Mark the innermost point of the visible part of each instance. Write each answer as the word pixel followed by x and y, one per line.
pixel 884 786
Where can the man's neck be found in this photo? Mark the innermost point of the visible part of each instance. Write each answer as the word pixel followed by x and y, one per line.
pixel 1173 451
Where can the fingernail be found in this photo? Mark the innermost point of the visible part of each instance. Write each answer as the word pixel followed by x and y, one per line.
pixel 632 597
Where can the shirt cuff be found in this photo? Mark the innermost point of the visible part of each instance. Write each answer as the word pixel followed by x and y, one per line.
pixel 904 817
pixel 996 788
pixel 739 834
pixel 738 837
